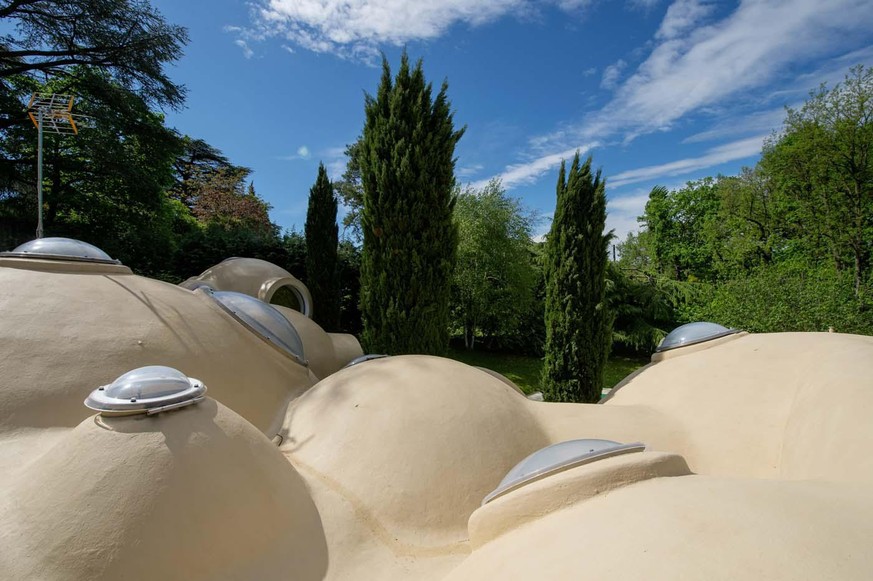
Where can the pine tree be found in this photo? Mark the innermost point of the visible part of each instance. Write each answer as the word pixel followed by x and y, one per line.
pixel 578 334
pixel 410 239
pixel 322 238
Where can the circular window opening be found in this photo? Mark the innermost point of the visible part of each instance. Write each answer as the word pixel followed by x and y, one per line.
pixel 289 297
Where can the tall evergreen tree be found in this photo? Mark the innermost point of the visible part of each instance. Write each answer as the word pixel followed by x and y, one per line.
pixel 322 238
pixel 410 240
pixel 577 319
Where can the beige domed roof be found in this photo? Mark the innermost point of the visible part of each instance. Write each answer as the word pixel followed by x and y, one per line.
pixel 192 494
pixel 64 333
pixel 257 278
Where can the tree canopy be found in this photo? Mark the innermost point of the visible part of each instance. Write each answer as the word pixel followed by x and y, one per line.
pixel 495 278
pixel 577 318
pixel 410 238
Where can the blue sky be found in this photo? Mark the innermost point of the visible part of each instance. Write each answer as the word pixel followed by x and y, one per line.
pixel 659 92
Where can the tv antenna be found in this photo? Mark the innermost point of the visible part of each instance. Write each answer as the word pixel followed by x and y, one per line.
pixel 53 113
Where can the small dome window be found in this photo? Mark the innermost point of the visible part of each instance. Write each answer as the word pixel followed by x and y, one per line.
pixel 264 320
pixel 693 333
pixel 60 249
pixel 147 390
pixel 557 458
pixel 364 359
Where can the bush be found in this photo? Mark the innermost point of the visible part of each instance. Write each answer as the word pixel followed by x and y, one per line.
pixel 789 296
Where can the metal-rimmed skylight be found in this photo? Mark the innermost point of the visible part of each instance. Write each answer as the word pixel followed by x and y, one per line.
pixel 262 319
pixel 147 390
pixel 66 249
pixel 557 458
pixel 693 333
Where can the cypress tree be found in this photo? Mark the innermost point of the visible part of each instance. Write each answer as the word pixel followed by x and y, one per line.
pixel 578 326
pixel 410 240
pixel 322 238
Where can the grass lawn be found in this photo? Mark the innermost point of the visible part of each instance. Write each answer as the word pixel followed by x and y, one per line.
pixel 525 370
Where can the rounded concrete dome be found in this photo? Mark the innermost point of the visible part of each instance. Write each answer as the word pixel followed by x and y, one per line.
pixel 414 442
pixel 67 326
pixel 257 278
pixel 195 494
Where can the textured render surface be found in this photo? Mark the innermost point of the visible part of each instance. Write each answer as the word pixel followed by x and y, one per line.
pixel 786 405
pixel 326 352
pixel 193 494
pixel 691 527
pixel 757 465
pixel 64 333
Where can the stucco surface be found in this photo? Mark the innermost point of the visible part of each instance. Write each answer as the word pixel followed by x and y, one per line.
pixel 192 494
pixel 65 333
pixel 757 463
pixel 691 527
pixel 412 443
pixel 786 405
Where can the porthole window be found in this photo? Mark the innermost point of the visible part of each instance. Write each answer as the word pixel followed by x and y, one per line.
pixel 557 458
pixel 289 297
pixel 60 249
pixel 693 333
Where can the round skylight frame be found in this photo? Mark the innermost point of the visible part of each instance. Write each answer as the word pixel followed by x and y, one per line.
pixel 62 249
pixel 262 319
pixel 559 458
pixel 694 334
pixel 364 359
pixel 146 390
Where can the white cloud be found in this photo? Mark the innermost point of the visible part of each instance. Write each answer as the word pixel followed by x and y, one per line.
pixel 758 44
pixel 609 80
pixel 357 28
pixel 302 153
pixel 682 16
pixel 469 171
pixel 247 51
pixel 528 173
pixel 757 122
pixel 717 155
pixel 622 212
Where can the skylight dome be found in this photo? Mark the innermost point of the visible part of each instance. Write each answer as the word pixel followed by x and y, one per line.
pixel 557 458
pixel 61 249
pixel 693 333
pixel 148 390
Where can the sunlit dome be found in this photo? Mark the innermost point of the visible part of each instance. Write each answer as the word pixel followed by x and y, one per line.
pixel 149 390
pixel 693 333
pixel 557 458
pixel 264 320
pixel 61 249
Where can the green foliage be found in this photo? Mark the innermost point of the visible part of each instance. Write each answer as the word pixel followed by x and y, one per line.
pixel 322 237
pixel 127 41
pixel 823 163
pixel 410 239
pixel 788 296
pixel 577 318
pixel 494 280
pixel 350 189
pixel 644 307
